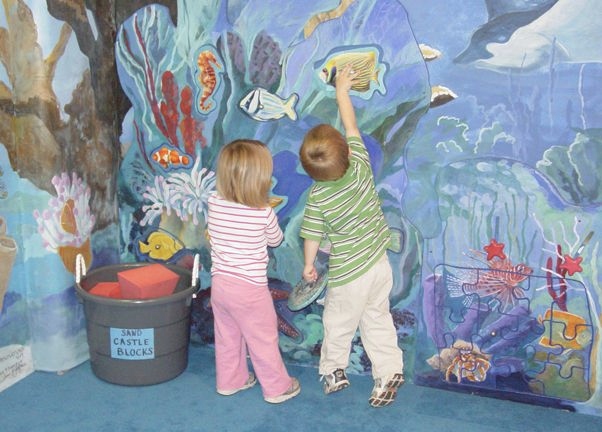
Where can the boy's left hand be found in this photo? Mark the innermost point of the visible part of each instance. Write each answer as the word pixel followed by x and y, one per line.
pixel 310 274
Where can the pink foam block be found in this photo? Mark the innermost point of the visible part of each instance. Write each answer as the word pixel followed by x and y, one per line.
pixel 148 281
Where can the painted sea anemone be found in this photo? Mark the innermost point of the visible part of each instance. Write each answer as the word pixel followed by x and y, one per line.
pixel 66 225
pixel 192 191
pixel 184 193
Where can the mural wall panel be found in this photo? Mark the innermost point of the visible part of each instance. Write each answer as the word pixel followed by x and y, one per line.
pixel 483 136
pixel 58 141
pixel 482 120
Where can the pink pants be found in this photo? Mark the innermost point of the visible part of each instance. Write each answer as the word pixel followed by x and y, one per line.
pixel 245 319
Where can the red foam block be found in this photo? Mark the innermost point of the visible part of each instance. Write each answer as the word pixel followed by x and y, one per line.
pixel 148 281
pixel 106 289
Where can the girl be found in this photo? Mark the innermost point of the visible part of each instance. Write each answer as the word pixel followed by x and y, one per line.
pixel 241 227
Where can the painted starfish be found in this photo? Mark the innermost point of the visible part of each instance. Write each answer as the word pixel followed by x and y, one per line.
pixel 571 265
pixel 284 314
pixel 495 249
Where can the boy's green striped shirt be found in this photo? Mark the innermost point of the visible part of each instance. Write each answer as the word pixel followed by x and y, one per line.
pixel 348 211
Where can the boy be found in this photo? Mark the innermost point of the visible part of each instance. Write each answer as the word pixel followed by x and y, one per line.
pixel 343 205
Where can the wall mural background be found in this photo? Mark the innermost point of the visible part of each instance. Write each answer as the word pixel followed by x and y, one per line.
pixel 58 197
pixel 231 75
pixel 484 133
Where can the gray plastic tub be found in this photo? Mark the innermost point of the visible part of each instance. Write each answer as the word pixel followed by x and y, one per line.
pixel 137 342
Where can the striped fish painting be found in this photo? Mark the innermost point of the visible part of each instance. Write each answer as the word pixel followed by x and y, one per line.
pixel 261 105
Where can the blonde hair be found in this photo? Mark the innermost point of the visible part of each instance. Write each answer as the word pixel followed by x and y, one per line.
pixel 324 153
pixel 244 173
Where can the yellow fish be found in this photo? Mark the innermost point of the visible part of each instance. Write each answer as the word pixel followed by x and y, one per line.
pixel 275 201
pixel 363 63
pixel 160 246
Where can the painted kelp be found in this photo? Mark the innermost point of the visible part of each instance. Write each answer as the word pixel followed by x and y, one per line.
pixel 227 72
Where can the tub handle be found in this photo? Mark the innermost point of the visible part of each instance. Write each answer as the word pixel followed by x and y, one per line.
pixel 195 270
pixel 80 267
pixel 195 275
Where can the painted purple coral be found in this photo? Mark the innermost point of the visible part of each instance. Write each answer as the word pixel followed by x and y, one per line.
pixel 264 68
pixel 433 299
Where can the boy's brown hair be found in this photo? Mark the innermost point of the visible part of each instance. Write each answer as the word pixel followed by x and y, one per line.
pixel 244 173
pixel 324 153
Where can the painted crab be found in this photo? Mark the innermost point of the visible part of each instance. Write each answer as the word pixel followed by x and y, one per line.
pixel 470 365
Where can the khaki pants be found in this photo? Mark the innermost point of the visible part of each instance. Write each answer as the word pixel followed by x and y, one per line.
pixel 363 303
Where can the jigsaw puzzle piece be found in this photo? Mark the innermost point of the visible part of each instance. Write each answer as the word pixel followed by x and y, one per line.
pixel 474 316
pixel 510 340
pixel 568 362
pixel 535 360
pixel 506 366
pixel 457 311
pixel 566 381
pixel 506 324
pixel 566 330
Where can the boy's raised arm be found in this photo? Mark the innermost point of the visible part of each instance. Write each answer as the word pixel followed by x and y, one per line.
pixel 344 80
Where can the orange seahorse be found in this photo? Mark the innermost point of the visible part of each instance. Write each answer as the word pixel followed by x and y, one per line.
pixel 207 77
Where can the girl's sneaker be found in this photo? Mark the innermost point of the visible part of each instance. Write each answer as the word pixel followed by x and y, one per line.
pixel 385 390
pixel 251 381
pixel 292 391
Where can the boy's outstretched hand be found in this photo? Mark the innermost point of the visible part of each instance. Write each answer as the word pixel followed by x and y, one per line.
pixel 345 79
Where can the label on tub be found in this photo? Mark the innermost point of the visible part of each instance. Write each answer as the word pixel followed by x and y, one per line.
pixel 133 344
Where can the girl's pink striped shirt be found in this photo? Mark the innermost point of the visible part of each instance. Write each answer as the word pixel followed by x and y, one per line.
pixel 239 237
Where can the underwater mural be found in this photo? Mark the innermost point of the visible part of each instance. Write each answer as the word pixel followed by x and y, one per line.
pixel 484 148
pixel 484 137
pixel 58 196
pixel 247 76
pixel 504 189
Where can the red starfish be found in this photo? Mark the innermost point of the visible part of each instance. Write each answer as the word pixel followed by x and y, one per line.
pixel 495 249
pixel 571 265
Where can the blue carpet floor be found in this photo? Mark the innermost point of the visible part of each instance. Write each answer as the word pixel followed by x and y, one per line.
pixel 79 401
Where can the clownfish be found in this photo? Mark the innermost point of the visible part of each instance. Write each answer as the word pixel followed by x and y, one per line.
pixel 167 157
